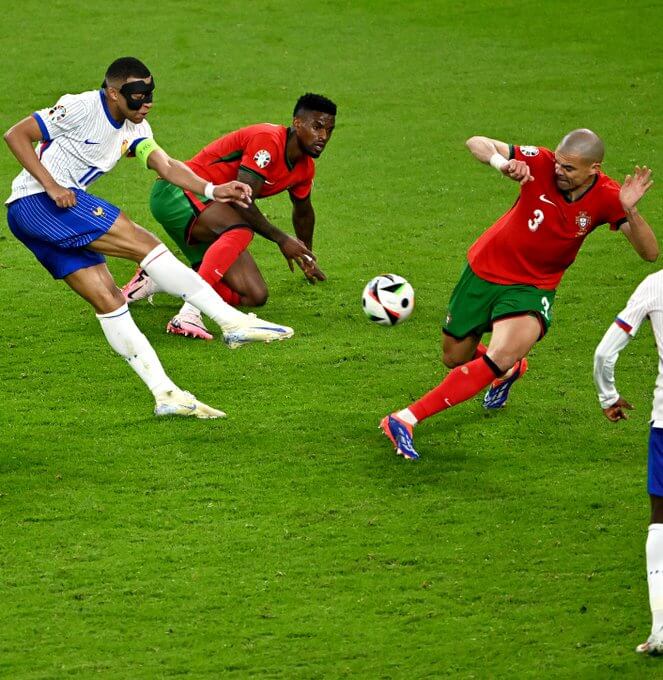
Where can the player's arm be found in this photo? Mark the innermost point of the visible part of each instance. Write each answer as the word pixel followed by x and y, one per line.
pixel 181 175
pixel 303 221
pixel 293 249
pixel 636 229
pixel 493 152
pixel 21 139
pixel 605 358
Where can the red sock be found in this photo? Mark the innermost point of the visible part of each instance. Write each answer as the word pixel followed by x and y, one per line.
pixel 480 350
pixel 223 252
pixel 227 294
pixel 462 383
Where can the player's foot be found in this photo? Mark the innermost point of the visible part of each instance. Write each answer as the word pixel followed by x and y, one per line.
pixel 189 325
pixel 653 646
pixel 139 287
pixel 253 329
pixel 499 391
pixel 180 403
pixel 400 434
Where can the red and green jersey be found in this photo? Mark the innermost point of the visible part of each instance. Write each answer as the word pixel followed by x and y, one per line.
pixel 537 240
pixel 261 150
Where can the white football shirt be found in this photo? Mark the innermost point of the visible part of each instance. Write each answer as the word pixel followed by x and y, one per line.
pixel 81 142
pixel 645 302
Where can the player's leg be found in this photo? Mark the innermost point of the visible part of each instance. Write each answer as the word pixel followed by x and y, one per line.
pixel 95 285
pixel 468 318
pixel 128 240
pixel 654 544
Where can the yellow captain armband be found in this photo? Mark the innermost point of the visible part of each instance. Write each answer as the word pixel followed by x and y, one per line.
pixel 144 149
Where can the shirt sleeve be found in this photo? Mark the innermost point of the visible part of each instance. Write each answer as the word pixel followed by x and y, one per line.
pixel 68 113
pixel 646 298
pixel 303 188
pixel 261 155
pixel 614 212
pixel 605 358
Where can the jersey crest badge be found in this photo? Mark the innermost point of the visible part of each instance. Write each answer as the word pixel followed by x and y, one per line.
pixel 124 147
pixel 99 212
pixel 529 151
pixel 262 158
pixel 583 222
pixel 57 113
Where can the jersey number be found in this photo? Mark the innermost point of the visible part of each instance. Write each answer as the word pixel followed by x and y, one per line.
pixel 536 220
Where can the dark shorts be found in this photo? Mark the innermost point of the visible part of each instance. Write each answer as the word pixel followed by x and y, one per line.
pixel 655 462
pixel 58 237
pixel 476 303
pixel 176 211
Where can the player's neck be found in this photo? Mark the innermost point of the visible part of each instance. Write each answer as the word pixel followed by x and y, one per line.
pixel 292 149
pixel 114 109
pixel 580 191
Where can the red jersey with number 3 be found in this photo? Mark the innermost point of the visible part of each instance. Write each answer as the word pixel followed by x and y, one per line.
pixel 261 150
pixel 539 237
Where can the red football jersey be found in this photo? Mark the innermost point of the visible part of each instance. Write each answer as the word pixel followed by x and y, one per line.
pixel 539 237
pixel 260 149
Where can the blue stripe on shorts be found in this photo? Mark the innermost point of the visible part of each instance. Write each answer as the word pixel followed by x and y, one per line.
pixel 58 236
pixel 655 462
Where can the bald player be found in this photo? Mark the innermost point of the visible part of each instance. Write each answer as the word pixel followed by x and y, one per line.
pixel 508 285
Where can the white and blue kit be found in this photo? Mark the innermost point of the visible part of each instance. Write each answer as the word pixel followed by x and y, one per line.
pixel 81 141
pixel 645 302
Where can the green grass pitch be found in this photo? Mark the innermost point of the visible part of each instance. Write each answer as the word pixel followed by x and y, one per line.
pixel 287 541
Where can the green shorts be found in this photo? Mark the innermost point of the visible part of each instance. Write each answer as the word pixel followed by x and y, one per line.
pixel 176 213
pixel 476 303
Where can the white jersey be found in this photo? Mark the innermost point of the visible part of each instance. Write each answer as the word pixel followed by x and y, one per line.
pixel 81 142
pixel 646 302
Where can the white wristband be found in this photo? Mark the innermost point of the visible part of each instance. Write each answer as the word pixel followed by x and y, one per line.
pixel 498 161
pixel 209 191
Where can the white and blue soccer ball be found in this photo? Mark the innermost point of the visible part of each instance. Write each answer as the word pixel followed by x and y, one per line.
pixel 388 299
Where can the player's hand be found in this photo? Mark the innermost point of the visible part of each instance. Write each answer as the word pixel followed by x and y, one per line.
pixel 237 192
pixel 618 410
pixel 635 186
pixel 518 171
pixel 311 270
pixel 295 250
pixel 64 198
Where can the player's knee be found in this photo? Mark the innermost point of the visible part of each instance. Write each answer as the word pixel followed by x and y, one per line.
pixel 452 359
pixel 107 300
pixel 258 298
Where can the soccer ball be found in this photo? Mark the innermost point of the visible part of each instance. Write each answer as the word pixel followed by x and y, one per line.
pixel 388 299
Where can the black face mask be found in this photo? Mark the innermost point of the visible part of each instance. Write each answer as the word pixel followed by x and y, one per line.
pixel 136 87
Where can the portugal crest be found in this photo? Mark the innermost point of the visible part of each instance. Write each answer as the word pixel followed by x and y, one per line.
pixel 583 222
pixel 262 158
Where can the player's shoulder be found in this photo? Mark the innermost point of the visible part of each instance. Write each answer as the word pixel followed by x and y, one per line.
pixel 607 183
pixel 527 151
pixel 265 130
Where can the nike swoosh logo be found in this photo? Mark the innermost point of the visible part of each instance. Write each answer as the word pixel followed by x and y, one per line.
pixel 270 183
pixel 543 198
pixel 89 141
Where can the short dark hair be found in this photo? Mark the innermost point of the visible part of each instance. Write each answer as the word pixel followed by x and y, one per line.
pixel 126 67
pixel 314 102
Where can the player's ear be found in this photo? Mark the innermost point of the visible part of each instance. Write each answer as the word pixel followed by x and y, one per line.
pixel 595 168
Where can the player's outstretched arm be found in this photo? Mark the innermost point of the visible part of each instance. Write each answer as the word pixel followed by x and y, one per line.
pixel 605 358
pixel 178 173
pixel 493 152
pixel 21 139
pixel 292 248
pixel 637 230
pixel 303 220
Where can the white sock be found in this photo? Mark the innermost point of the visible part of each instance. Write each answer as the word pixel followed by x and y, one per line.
pixel 654 550
pixel 126 339
pixel 188 308
pixel 407 416
pixel 174 277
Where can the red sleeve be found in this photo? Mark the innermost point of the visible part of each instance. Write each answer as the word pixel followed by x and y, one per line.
pixel 613 212
pixel 302 189
pixel 535 156
pixel 261 155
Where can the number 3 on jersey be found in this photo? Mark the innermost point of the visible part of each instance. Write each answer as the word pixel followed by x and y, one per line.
pixel 536 220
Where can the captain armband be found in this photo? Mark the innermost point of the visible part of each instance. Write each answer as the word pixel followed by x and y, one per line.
pixel 144 148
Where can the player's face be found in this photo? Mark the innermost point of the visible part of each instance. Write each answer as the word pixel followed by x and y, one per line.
pixel 573 172
pixel 135 116
pixel 314 129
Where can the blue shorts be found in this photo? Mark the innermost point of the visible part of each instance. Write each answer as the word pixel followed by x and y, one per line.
pixel 655 462
pixel 58 236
